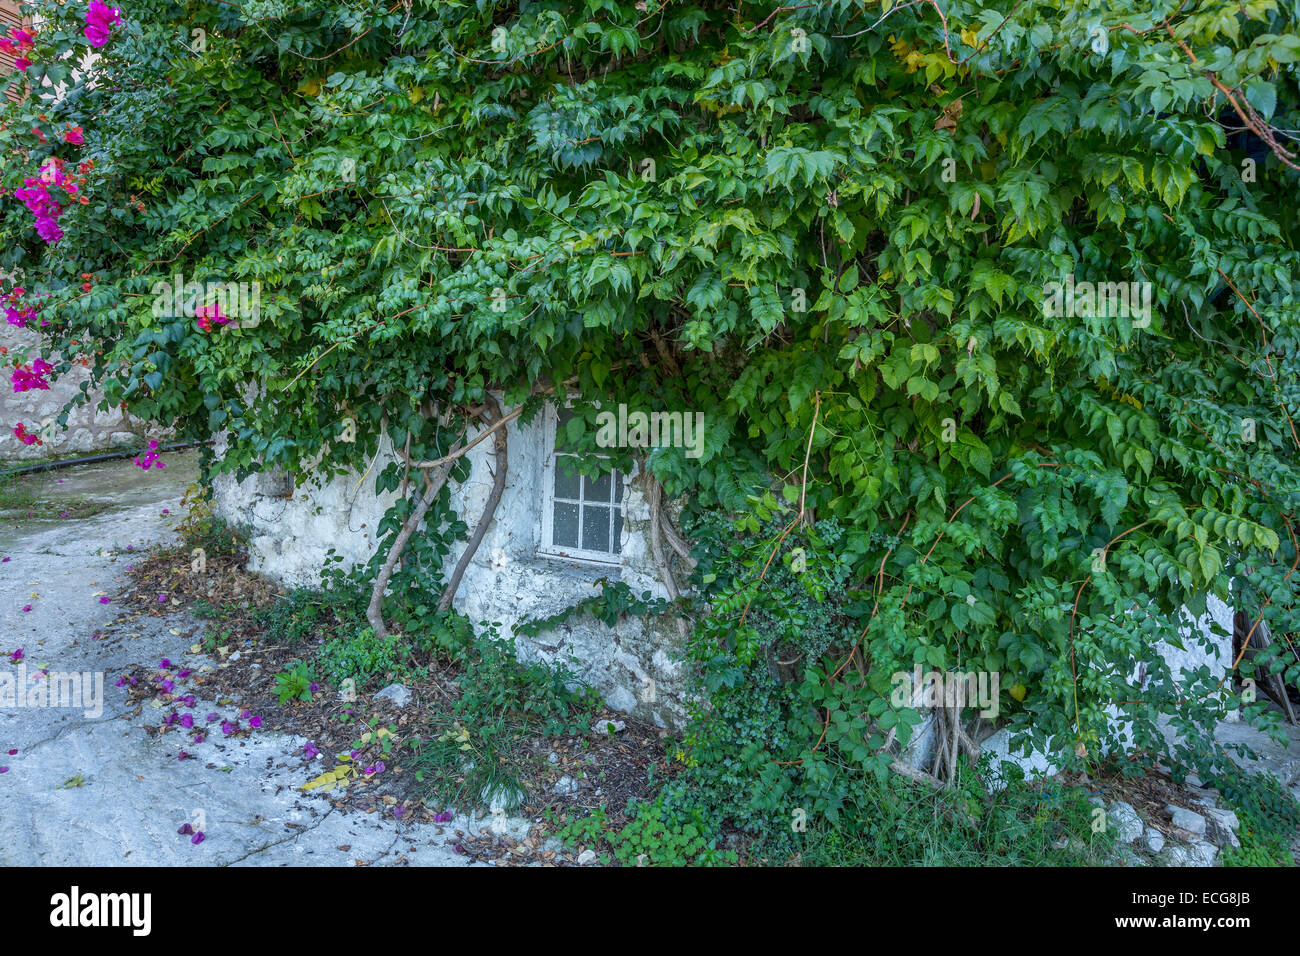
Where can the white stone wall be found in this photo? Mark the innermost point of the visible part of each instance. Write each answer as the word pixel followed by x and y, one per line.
pixel 632 664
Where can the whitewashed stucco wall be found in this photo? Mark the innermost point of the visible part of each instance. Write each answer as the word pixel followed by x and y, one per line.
pixel 633 664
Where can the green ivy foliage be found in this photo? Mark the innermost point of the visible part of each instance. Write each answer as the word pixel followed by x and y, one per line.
pixel 830 227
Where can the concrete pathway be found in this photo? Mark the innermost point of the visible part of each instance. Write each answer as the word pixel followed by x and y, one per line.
pixel 99 790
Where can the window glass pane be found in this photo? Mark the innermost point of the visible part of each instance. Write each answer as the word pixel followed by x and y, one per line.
pixel 596 489
pixel 618 531
pixel 595 529
pixel 564 526
pixel 618 487
pixel 566 476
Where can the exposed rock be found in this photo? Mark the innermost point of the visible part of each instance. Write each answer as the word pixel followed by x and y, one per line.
pixel 606 726
pixel 1126 822
pixel 399 694
pixel 1155 841
pixel 1198 853
pixel 1203 854
pixel 586 856
pixel 1185 819
pixel 565 786
pixel 1226 819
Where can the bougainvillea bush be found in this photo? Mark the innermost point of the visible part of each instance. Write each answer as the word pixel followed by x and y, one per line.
pixel 991 306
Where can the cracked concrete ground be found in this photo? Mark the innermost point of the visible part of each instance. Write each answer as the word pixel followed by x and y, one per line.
pixel 98 790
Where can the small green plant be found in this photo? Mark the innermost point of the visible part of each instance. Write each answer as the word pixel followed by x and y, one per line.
pixel 216 640
pixel 205 610
pixel 443 634
pixel 657 835
pixel 363 658
pixel 296 683
pixel 306 612
pixel 1269 817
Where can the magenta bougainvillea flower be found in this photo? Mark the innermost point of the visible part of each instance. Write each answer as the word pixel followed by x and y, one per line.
pixel 255 722
pixel 105 600
pixel 25 379
pixel 16 655
pixel 146 461
pixel 16 44
pixel 99 22
pixel 197 838
pixel 443 817
pixel 26 437
pixel 208 314
pixel 164 663
pixel 187 721
pixel 36 197
pixel 245 714
pixel 185 829
pixel 229 727
pixel 74 136
pixel 310 751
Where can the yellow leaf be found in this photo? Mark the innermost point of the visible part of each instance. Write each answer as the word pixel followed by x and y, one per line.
pixel 326 780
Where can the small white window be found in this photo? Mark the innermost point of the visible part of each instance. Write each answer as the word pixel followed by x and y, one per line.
pixel 582 518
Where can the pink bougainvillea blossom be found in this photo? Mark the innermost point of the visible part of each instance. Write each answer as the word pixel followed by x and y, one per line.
pixel 16 44
pixel 146 461
pixel 26 437
pixel 207 314
pixel 36 197
pixel 17 312
pixel 99 22
pixel 24 379
pixel 74 136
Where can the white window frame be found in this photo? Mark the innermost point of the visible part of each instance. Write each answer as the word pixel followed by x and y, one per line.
pixel 548 548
